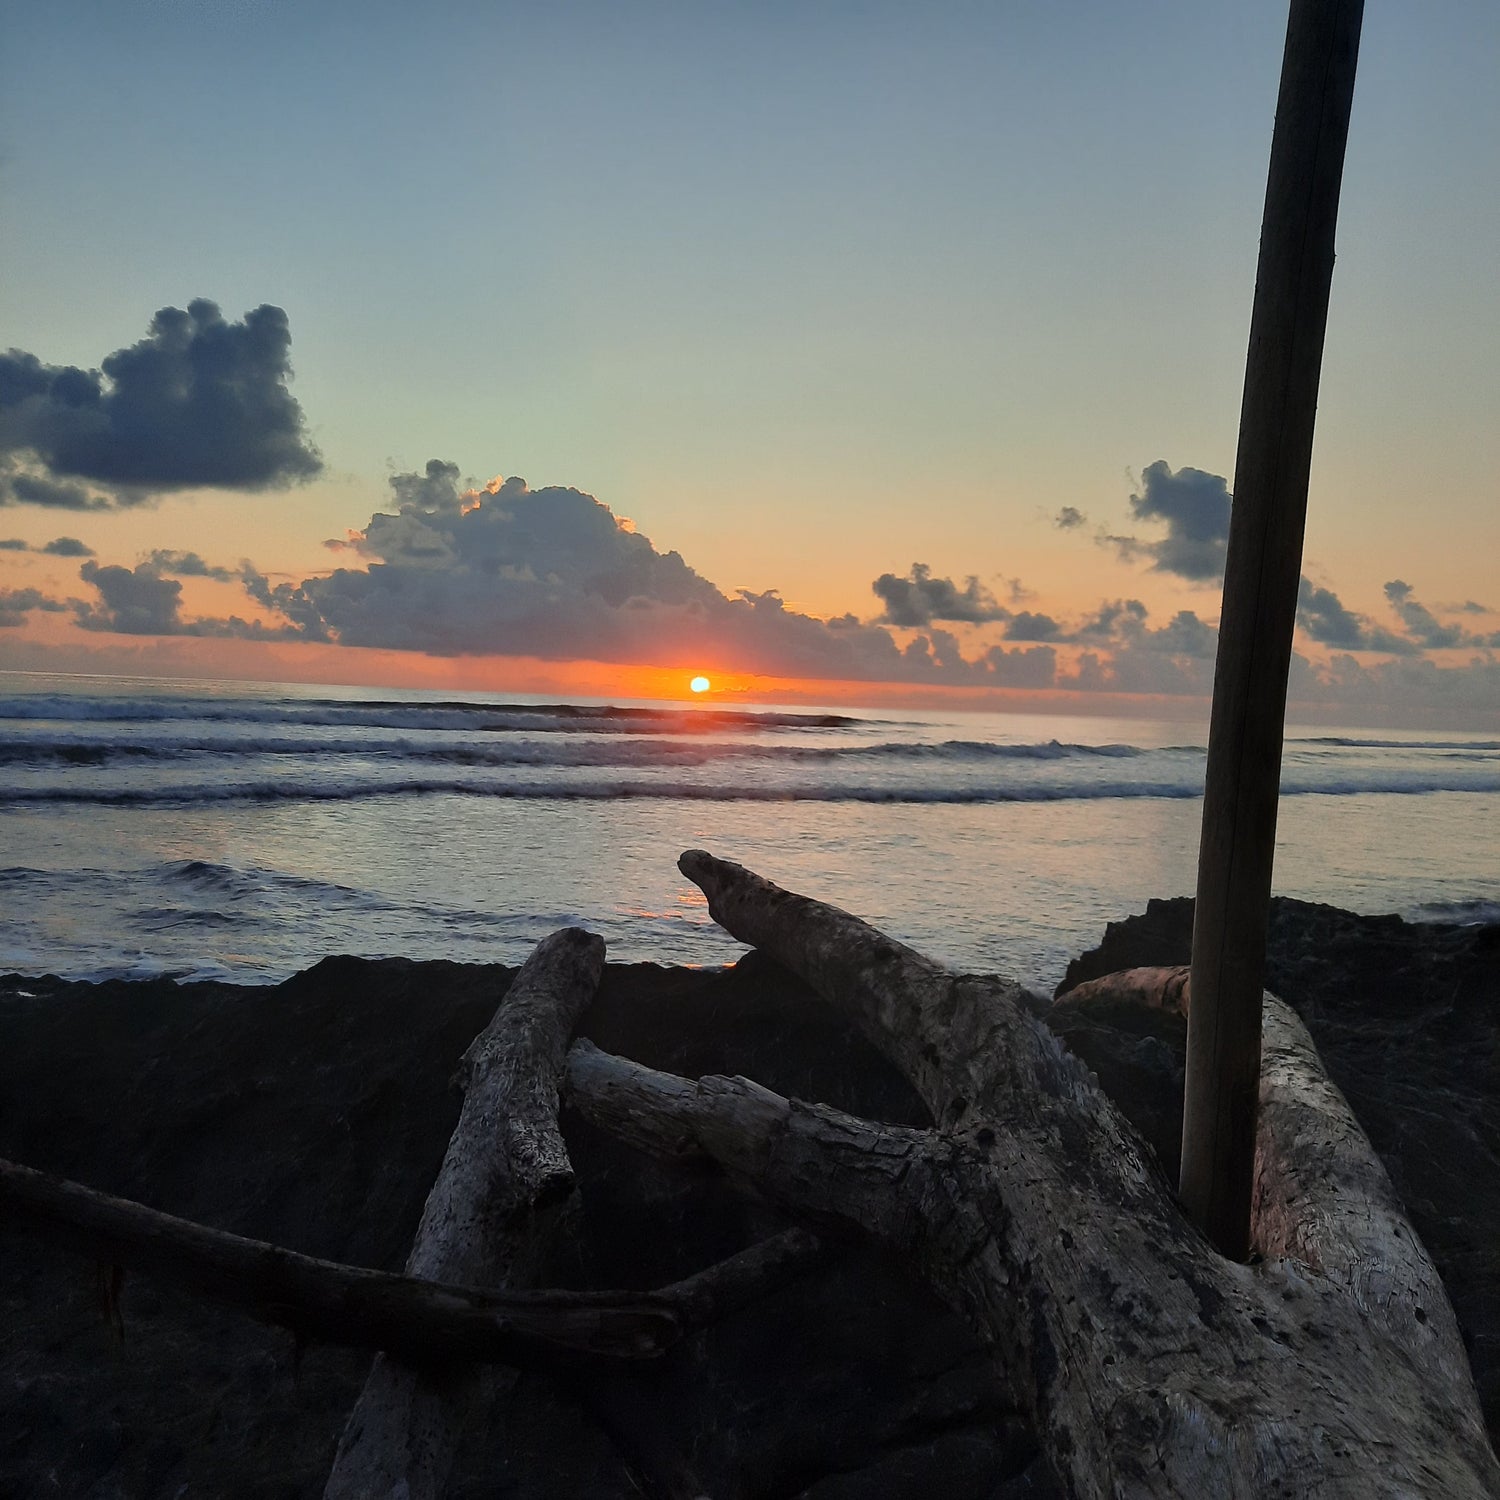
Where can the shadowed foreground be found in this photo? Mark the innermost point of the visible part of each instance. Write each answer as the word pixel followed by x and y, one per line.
pixel 314 1115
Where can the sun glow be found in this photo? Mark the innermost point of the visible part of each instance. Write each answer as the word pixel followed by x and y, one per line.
pixel 700 684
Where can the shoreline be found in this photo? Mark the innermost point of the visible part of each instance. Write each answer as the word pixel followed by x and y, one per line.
pixel 315 1117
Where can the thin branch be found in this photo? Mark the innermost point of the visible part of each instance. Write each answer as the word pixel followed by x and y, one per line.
pixel 425 1322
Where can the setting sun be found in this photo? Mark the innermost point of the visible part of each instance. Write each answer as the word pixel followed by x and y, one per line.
pixel 700 684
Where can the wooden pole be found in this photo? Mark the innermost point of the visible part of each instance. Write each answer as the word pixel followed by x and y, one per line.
pixel 1260 602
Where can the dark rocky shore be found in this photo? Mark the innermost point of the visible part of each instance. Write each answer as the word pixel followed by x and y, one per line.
pixel 315 1114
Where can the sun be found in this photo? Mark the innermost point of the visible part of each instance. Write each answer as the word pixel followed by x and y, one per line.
pixel 700 685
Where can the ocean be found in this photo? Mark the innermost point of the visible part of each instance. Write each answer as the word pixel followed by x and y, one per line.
pixel 243 831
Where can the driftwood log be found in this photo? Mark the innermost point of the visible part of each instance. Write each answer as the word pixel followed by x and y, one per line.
pixel 1330 1366
pixel 505 1165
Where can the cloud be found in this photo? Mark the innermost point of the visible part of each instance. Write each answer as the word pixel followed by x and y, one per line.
pixel 551 573
pixel 1069 518
pixel 63 546
pixel 20 484
pixel 919 599
pixel 1113 620
pixel 554 574
pixel 133 601
pixel 1421 624
pixel 1195 507
pixel 1186 635
pixel 188 565
pixel 1322 615
pixel 144 600
pixel 199 402
pixel 1031 667
pixel 1027 626
pixel 1450 695
pixel 16 604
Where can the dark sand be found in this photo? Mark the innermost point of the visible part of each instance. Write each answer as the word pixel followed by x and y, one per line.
pixel 315 1114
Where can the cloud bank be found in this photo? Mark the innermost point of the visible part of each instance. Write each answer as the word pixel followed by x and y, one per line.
pixel 505 570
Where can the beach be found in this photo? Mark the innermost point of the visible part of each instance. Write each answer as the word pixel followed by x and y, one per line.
pixel 313 1114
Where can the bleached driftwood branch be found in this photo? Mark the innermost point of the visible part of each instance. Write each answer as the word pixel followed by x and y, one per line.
pixel 1152 1366
pixel 505 1163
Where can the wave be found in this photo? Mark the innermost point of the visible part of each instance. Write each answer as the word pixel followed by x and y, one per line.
pixel 614 751
pixel 292 790
pixel 164 918
pixel 385 714
pixel 1344 742
pixel 238 883
pixel 1472 913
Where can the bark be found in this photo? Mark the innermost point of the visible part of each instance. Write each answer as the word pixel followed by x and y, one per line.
pixel 505 1163
pixel 1152 1365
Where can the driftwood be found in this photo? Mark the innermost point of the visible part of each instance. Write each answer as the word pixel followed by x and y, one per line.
pixel 426 1323
pixel 1330 1367
pixel 505 1164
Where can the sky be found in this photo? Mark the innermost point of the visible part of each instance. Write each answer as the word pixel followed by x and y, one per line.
pixel 850 352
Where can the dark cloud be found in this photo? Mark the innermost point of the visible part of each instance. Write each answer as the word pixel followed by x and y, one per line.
pixel 1450 694
pixel 1117 619
pixel 132 601
pixel 200 401
pixel 16 604
pixel 144 600
pixel 1195 507
pixel 1069 517
pixel 188 565
pixel 1421 624
pixel 1027 626
pixel 1186 635
pixel 1323 616
pixel 1031 667
pixel 288 600
pixel 63 546
pixel 20 484
pixel 919 599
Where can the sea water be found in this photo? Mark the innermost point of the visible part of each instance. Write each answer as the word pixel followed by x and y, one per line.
pixel 243 831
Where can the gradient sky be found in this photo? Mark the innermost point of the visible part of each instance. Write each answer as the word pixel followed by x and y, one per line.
pixel 809 292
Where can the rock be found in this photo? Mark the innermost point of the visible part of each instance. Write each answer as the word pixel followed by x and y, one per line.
pixel 314 1114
